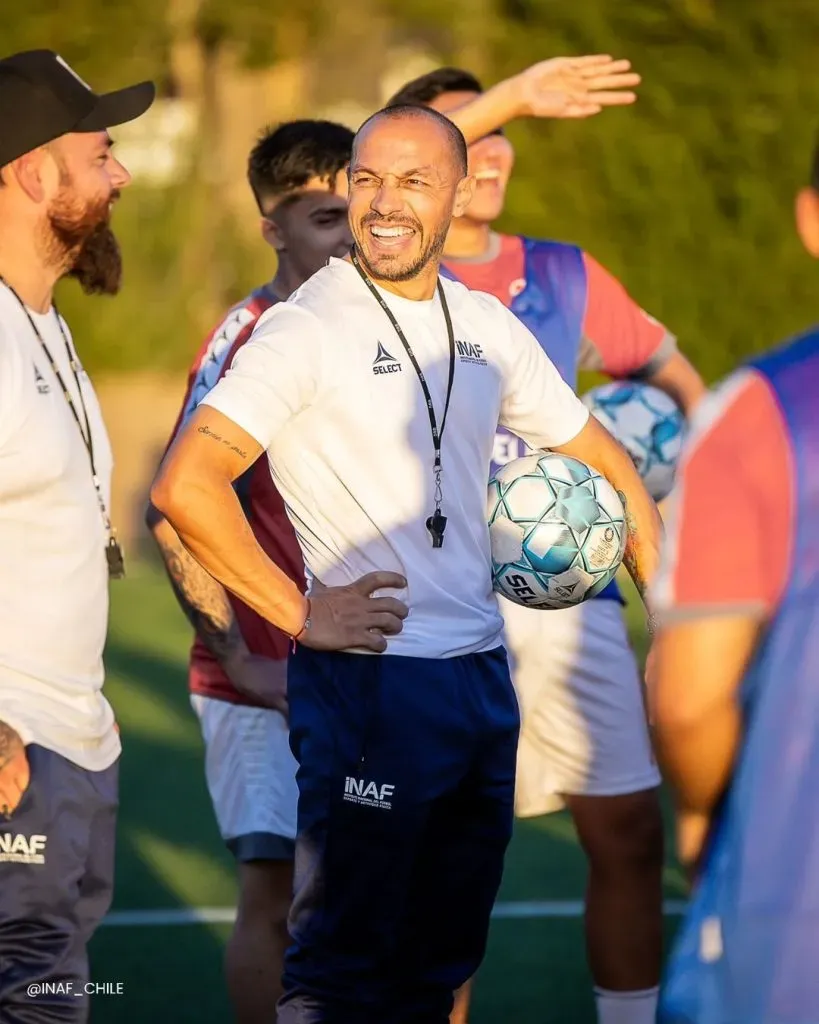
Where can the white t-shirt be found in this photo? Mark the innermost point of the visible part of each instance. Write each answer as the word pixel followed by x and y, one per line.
pixel 324 384
pixel 53 570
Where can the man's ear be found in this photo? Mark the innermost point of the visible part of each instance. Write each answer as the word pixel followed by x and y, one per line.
pixel 27 172
pixel 271 233
pixel 807 219
pixel 342 182
pixel 463 195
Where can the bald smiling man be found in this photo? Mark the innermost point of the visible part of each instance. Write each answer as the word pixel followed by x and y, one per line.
pixel 403 717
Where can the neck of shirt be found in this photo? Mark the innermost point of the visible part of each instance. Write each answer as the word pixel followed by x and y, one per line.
pixel 398 304
pixel 408 307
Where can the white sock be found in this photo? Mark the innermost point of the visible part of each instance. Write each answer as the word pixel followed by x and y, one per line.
pixel 627 1007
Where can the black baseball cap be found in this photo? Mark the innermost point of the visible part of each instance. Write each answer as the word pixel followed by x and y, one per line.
pixel 42 98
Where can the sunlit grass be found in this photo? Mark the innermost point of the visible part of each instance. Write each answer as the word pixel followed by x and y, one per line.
pixel 188 871
pixel 170 853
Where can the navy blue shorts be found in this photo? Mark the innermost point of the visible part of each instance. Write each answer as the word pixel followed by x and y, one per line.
pixel 56 883
pixel 406 798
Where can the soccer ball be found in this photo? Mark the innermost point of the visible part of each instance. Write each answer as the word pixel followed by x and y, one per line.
pixel 557 531
pixel 649 425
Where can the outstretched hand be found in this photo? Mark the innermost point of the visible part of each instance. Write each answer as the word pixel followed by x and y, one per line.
pixel 350 616
pixel 575 87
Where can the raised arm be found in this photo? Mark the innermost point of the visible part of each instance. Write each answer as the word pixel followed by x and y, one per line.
pixel 563 87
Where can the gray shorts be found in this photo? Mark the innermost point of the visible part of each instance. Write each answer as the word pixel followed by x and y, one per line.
pixel 56 883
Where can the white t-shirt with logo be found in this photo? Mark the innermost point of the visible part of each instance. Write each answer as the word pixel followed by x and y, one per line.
pixel 53 570
pixel 325 386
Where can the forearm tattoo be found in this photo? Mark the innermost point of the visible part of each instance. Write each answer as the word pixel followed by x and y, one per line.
pixel 9 744
pixel 630 558
pixel 203 600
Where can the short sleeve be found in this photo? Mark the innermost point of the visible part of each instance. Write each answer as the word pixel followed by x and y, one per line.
pixel 730 526
pixel 619 338
pixel 204 377
pixel 274 376
pixel 13 367
pixel 536 404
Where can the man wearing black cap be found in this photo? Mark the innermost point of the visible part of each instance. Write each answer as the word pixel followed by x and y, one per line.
pixel 59 745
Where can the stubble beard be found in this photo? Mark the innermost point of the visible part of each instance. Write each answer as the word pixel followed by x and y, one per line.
pixel 385 271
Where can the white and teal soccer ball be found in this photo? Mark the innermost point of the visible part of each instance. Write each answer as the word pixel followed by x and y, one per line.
pixel 648 423
pixel 557 531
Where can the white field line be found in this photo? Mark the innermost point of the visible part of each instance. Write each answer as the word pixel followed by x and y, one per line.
pixel 526 909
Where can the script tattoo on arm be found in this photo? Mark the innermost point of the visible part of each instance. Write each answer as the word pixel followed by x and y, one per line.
pixel 207 432
pixel 203 600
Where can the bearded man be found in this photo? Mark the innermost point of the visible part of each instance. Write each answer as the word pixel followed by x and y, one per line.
pixel 59 744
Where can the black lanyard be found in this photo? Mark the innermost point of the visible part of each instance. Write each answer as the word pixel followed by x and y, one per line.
pixel 113 551
pixel 436 523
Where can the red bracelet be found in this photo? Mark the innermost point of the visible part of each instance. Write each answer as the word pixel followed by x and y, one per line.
pixel 305 627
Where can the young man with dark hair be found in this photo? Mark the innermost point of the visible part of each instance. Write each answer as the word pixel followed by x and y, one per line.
pixel 297 175
pixel 733 686
pixel 584 742
pixel 237 664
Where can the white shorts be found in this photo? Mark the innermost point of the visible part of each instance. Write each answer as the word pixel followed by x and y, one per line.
pixel 251 776
pixel 583 721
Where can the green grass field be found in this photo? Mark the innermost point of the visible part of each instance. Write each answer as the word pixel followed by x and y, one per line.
pixel 170 856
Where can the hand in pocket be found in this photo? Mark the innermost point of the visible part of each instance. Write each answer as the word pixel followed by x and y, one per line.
pixel 14 770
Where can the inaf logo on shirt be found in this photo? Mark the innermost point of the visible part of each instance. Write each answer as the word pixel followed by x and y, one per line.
pixel 19 849
pixel 384 362
pixel 470 353
pixel 369 794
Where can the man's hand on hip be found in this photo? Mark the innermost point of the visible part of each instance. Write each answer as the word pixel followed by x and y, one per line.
pixel 14 770
pixel 345 617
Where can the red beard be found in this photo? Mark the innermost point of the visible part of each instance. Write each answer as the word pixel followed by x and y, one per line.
pixel 85 243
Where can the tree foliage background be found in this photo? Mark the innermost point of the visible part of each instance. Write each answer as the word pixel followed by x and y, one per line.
pixel 687 197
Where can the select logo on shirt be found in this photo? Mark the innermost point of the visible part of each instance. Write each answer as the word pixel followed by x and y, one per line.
pixel 384 362
pixel 470 353
pixel 42 384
